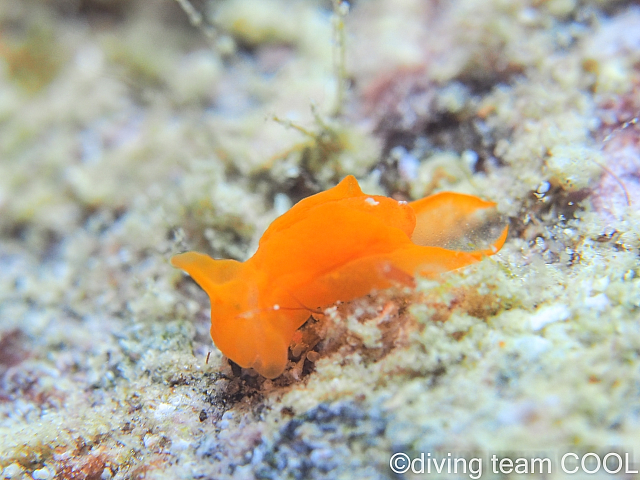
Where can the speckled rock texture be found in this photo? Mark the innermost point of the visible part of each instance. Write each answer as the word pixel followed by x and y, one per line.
pixel 131 131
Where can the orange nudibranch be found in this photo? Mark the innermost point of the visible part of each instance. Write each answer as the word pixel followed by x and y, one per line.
pixel 334 246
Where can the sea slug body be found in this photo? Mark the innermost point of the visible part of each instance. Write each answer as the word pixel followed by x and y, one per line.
pixel 334 246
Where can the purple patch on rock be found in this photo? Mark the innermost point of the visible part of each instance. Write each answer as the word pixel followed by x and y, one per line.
pixel 622 158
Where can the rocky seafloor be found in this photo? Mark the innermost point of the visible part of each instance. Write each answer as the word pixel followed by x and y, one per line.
pixel 130 131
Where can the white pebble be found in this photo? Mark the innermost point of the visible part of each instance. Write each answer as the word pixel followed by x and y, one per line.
pixel 42 474
pixel 549 314
pixel 11 471
pixel 597 302
pixel 281 203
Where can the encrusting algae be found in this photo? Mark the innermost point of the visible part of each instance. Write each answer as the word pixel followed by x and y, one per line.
pixel 334 246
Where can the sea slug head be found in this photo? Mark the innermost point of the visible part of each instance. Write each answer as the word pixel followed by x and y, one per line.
pixel 252 333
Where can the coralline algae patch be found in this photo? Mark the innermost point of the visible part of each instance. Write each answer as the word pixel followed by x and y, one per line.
pixel 613 196
pixel 612 56
pixel 144 140
pixel 618 190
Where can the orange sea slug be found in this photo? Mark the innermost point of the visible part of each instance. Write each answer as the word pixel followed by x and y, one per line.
pixel 337 245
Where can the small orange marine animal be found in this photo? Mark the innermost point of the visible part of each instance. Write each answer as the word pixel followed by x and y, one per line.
pixel 336 245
